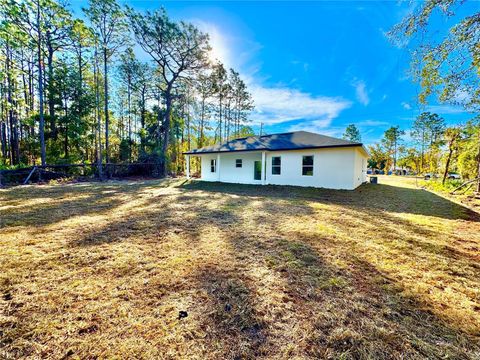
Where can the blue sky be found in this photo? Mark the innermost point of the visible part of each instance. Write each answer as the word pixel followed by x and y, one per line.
pixel 315 66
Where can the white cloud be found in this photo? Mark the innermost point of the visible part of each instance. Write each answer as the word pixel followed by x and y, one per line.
pixel 462 96
pixel 372 123
pixel 317 127
pixel 445 109
pixel 273 104
pixel 406 106
pixel 361 91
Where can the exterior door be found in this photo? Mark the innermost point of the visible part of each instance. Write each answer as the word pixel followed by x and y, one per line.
pixel 257 170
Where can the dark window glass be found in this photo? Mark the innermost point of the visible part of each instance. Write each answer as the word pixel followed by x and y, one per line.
pixel 308 171
pixel 213 165
pixel 276 165
pixel 238 163
pixel 257 170
pixel 308 160
pixel 307 165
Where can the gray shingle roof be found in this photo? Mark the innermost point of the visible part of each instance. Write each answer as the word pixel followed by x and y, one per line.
pixel 287 141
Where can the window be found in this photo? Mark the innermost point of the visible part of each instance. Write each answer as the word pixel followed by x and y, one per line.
pixel 238 163
pixel 307 165
pixel 276 164
pixel 213 165
pixel 257 170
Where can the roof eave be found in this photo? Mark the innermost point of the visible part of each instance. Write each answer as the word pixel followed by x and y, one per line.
pixel 220 151
pixel 282 149
pixel 365 151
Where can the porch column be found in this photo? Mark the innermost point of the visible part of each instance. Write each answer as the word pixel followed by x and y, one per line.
pixel 188 166
pixel 263 168
pixel 218 167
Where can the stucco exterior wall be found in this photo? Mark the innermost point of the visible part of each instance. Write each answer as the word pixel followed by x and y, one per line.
pixel 227 171
pixel 333 168
pixel 205 172
pixel 360 174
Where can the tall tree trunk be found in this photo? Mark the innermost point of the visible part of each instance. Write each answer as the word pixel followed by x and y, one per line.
pixel 14 150
pixel 179 144
pixel 51 98
pixel 31 90
pixel 220 121
pixel 25 89
pixel 65 142
pixel 142 117
pixel 166 129
pixel 395 157
pixel 80 71
pixel 31 85
pixel 79 95
pixel 99 118
pixel 43 153
pixel 3 126
pixel 447 164
pixel 3 139
pixel 423 150
pixel 228 120
pixel 107 117
pixel 202 123
pixel 129 97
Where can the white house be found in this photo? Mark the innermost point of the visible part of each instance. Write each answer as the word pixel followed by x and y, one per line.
pixel 297 158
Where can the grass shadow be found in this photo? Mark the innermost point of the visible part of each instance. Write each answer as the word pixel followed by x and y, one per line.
pixel 237 329
pixel 378 197
pixel 351 311
pixel 255 287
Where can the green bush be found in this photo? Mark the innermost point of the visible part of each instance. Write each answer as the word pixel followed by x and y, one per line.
pixel 436 184
pixel 13 167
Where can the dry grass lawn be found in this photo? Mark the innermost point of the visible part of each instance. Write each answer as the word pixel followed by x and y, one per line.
pixel 96 270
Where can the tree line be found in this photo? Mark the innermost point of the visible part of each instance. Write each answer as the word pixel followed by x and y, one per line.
pixel 74 90
pixel 433 148
pixel 446 66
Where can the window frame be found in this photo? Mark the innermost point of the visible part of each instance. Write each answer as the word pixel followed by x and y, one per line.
pixel 213 165
pixel 237 162
pixel 277 166
pixel 308 166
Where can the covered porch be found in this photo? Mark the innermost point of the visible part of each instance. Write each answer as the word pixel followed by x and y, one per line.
pixel 244 167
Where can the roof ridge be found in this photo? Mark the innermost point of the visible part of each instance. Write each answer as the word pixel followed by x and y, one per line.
pixel 285 133
pixel 292 140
